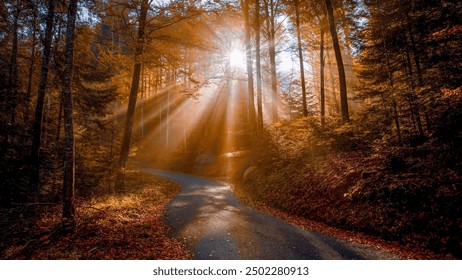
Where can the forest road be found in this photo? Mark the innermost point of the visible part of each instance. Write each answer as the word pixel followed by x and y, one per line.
pixel 215 226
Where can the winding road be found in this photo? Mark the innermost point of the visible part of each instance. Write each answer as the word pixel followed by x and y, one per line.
pixel 214 225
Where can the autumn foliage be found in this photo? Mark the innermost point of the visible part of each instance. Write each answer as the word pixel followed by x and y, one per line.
pixel 355 177
pixel 369 140
pixel 126 225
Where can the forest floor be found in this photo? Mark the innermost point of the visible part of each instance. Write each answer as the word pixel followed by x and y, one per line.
pixel 125 225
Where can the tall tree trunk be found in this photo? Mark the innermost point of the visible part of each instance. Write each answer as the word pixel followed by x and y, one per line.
pixel 414 50
pixel 124 151
pixel 14 98
pixel 58 129
pixel 418 69
pixel 38 121
pixel 332 79
pixel 113 128
pixel 391 83
pixel 338 58
pixel 32 62
pixel 167 117
pixel 300 57
pixel 159 98
pixel 248 53
pixel 143 97
pixel 148 96
pixel 396 118
pixel 321 77
pixel 270 18
pixel 413 102
pixel 258 66
pixel 68 221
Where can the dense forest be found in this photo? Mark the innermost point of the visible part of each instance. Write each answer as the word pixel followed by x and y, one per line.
pixel 344 112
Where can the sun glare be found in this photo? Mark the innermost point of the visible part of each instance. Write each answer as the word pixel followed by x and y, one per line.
pixel 286 64
pixel 237 58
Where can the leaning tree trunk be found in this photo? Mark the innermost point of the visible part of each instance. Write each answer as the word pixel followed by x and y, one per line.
pixel 300 56
pixel 124 151
pixel 338 57
pixel 38 121
pixel 68 219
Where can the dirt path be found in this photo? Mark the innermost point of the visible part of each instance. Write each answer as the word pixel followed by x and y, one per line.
pixel 214 225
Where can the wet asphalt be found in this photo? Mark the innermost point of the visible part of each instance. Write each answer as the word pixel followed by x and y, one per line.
pixel 215 226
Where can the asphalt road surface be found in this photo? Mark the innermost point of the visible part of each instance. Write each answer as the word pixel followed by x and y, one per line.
pixel 214 225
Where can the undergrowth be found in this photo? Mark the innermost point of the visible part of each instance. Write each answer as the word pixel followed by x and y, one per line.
pixel 125 225
pixel 358 178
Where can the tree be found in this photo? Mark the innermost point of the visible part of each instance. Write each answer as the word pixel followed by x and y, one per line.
pixel 13 75
pixel 68 220
pixel 258 65
pixel 12 16
pixel 38 120
pixel 300 56
pixel 35 8
pixel 403 60
pixel 248 52
pixel 271 11
pixel 153 32
pixel 338 57
pixel 124 151
pixel 321 77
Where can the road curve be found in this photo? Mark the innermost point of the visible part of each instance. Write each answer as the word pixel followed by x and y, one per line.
pixel 214 225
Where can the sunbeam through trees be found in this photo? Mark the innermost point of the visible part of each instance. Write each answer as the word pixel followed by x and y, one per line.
pixel 343 112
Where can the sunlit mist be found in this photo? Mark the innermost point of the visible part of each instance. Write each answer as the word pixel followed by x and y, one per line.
pixel 237 58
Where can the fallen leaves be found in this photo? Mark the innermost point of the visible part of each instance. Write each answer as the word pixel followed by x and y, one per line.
pixel 408 195
pixel 123 226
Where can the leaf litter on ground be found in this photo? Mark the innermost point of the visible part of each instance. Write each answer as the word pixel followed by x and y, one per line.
pixel 126 225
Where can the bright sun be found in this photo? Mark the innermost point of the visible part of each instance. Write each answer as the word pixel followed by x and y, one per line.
pixel 237 58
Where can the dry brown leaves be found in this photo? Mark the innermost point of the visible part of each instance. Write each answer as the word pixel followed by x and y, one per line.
pixel 123 226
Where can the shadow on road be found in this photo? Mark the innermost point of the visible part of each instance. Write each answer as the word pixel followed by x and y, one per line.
pixel 214 225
